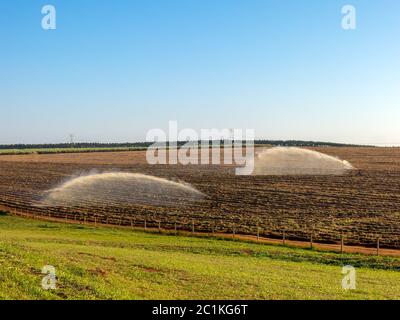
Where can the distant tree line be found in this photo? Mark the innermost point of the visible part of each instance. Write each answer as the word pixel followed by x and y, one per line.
pixel 301 143
pixel 88 145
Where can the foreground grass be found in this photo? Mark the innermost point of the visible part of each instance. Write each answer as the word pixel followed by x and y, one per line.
pixel 103 263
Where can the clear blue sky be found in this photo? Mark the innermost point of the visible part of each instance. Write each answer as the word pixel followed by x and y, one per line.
pixel 112 70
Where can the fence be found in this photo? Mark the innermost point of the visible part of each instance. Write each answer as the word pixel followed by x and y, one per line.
pixel 193 227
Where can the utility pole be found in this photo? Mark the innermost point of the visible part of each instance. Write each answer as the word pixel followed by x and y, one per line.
pixel 71 138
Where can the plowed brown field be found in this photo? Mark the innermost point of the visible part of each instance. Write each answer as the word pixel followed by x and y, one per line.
pixel 362 205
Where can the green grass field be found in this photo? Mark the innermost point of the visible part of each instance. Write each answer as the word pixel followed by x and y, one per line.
pixel 105 263
pixel 77 150
pixel 66 150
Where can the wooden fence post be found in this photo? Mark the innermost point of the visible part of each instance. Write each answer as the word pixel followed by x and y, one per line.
pixel 284 237
pixel 377 247
pixel 145 224
pixel 311 240
pixel 192 226
pixel 159 226
pixel 131 223
pixel 175 228
pixel 341 243
pixel 95 221
pixel 258 233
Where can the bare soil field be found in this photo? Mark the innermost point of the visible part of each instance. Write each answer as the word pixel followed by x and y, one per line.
pixel 362 205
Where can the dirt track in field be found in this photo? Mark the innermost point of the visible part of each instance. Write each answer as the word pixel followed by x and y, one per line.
pixel 362 205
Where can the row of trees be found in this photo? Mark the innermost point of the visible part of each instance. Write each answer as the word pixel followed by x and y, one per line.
pixel 290 143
